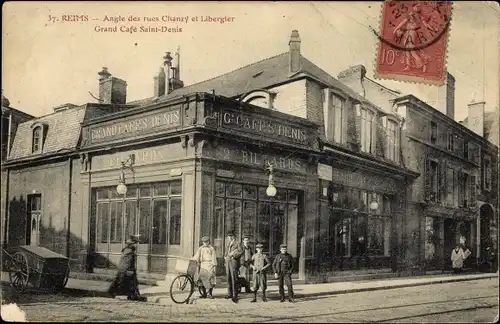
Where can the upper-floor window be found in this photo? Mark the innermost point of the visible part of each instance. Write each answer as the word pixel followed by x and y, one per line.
pixel 451 186
pixel 451 141
pixel 473 152
pixel 458 145
pixel 367 130
pixel 467 189
pixel 392 140
pixel 432 180
pixel 37 139
pixel 338 109
pixel 487 173
pixel 434 131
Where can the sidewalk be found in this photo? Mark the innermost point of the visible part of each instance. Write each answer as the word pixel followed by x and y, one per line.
pixel 161 294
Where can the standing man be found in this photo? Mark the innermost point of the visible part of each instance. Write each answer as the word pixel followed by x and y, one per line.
pixel 207 261
pixel 125 282
pixel 259 266
pixel 232 258
pixel 283 267
pixel 245 261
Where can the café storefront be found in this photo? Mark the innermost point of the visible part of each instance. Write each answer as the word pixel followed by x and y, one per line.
pixel 195 166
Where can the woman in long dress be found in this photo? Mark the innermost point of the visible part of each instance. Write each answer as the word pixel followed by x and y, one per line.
pixel 457 259
pixel 207 260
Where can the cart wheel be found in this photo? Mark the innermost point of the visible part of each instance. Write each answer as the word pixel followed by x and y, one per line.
pixel 19 272
pixel 60 286
pixel 200 290
pixel 181 289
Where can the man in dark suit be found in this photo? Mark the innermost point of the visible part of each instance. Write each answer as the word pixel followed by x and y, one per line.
pixel 232 259
pixel 245 260
pixel 283 267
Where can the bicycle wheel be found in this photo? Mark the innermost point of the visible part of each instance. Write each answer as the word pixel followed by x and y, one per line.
pixel 181 289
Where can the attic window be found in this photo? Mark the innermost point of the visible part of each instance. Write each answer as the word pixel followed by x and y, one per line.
pixel 37 139
pixel 257 74
pixel 261 98
pixel 38 136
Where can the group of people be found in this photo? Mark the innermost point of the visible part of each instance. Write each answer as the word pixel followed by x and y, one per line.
pixel 239 260
pixel 459 254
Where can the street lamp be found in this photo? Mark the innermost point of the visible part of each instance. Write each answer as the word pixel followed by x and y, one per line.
pixel 374 203
pixel 271 189
pixel 121 188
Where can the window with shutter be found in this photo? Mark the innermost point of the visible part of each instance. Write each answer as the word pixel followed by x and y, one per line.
pixel 472 192
pixel 428 180
pixel 338 118
pixel 461 189
pixel 441 195
pixel 487 173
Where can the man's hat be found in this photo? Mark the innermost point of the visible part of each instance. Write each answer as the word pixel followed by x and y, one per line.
pixel 205 239
pixel 230 233
pixel 133 239
pixel 283 246
pixel 259 246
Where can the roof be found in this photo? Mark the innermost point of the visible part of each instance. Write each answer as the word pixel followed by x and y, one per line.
pixel 63 133
pixel 42 252
pixel 491 125
pixel 20 113
pixel 259 75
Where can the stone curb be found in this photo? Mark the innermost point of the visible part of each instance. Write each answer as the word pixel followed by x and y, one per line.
pixel 165 299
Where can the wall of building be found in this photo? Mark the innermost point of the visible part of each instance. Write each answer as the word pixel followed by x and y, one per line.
pixel 52 182
pixel 378 95
pixel 290 98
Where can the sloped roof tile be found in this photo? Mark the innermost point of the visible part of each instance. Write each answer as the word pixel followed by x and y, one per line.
pixel 63 133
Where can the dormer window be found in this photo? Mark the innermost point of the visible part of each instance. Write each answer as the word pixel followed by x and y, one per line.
pixel 39 132
pixel 37 139
pixel 259 98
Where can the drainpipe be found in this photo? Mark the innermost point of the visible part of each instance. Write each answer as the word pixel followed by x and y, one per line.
pixel 6 214
pixel 70 185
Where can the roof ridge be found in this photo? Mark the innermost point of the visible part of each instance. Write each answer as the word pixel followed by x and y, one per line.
pixel 229 72
pixel 78 107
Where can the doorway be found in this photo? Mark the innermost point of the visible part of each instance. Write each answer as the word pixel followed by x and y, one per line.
pixel 33 219
pixel 485 216
pixel 449 241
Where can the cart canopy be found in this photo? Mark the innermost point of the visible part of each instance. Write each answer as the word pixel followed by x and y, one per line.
pixel 42 252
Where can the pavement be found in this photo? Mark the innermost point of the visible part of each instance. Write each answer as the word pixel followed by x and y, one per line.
pixel 471 301
pixel 161 294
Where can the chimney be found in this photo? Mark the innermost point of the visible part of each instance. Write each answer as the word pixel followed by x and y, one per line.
pixel 446 97
pixel 167 62
pixel 111 90
pixel 159 83
pixel 294 51
pixel 353 78
pixel 176 82
pixel 475 117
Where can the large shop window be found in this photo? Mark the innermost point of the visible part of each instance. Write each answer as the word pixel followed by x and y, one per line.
pixel 358 230
pixel 249 212
pixel 152 210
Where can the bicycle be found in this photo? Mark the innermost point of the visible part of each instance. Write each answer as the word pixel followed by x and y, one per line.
pixel 183 286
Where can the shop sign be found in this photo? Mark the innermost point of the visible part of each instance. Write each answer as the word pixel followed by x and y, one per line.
pixel 142 156
pixel 248 157
pixel 264 127
pixel 136 126
pixel 365 181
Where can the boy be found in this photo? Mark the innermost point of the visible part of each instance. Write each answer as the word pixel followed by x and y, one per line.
pixel 259 266
pixel 282 267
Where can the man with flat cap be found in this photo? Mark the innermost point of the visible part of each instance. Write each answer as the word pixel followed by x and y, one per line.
pixel 283 267
pixel 125 282
pixel 207 261
pixel 260 264
pixel 232 260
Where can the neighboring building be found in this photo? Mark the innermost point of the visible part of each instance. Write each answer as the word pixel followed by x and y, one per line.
pixel 11 118
pixel 457 195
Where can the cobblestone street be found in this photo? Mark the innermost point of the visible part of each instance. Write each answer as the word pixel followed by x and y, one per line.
pixel 470 301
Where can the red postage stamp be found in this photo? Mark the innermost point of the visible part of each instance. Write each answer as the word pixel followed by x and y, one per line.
pixel 413 41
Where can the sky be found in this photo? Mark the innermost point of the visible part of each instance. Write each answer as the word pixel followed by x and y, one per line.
pixel 46 64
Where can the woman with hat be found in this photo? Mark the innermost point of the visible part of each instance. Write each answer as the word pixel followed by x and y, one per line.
pixel 125 282
pixel 207 260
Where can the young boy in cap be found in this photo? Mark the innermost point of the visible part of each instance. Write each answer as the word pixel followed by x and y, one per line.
pixel 283 267
pixel 260 264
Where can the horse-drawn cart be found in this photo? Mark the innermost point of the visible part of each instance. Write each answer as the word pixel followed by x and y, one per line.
pixel 39 267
